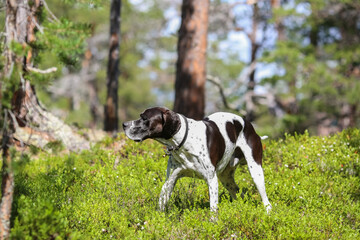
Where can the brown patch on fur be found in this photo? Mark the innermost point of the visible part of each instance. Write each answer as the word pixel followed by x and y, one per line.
pixel 230 130
pixel 254 141
pixel 239 155
pixel 215 142
pixel 238 127
pixel 233 130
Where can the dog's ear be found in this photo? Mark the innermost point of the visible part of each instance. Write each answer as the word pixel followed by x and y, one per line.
pixel 166 114
pixel 171 123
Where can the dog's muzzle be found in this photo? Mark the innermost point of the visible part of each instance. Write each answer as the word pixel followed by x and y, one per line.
pixel 127 126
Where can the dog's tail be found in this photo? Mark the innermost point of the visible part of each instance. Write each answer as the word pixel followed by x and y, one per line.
pixel 264 137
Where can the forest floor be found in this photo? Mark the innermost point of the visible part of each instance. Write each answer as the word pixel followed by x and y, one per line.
pixel 112 191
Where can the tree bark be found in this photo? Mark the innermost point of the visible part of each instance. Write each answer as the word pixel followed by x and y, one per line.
pixel 7 187
pixel 111 105
pixel 16 30
pixel 20 26
pixel 25 105
pixel 191 64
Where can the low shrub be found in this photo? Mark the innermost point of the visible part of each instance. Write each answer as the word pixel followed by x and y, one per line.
pixel 112 193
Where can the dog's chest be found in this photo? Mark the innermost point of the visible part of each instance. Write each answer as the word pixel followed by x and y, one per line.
pixel 194 154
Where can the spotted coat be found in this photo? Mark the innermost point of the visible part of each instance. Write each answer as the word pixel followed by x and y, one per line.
pixel 212 149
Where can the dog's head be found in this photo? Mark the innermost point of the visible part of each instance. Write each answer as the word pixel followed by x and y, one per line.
pixel 157 122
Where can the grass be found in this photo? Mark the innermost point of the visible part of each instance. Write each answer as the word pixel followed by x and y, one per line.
pixel 312 182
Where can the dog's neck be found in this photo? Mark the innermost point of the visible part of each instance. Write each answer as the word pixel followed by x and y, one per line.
pixel 179 138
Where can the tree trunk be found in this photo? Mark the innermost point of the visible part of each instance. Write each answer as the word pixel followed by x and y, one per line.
pixel 111 105
pixel 250 105
pixel 90 81
pixel 20 23
pixel 25 106
pixel 16 25
pixel 7 188
pixel 191 63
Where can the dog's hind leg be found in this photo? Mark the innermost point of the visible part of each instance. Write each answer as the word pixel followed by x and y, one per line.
pixel 226 177
pixel 255 168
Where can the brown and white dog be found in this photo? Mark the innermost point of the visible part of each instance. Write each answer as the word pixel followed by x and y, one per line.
pixel 210 149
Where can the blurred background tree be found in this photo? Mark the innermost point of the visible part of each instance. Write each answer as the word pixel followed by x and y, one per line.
pixel 111 119
pixel 287 65
pixel 191 62
pixel 318 68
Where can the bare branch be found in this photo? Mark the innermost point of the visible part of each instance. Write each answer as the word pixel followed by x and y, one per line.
pixel 49 11
pixel 245 76
pixel 37 25
pixel 268 99
pixel 216 81
pixel 49 70
pixel 251 2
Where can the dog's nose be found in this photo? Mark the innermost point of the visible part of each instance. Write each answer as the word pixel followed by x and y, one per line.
pixel 125 124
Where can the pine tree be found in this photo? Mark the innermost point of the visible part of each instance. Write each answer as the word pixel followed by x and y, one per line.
pixel 111 105
pixel 191 63
pixel 32 31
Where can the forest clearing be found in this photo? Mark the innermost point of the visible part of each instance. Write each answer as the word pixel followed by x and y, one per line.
pixel 72 72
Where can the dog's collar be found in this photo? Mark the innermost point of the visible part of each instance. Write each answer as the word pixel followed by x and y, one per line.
pixel 171 148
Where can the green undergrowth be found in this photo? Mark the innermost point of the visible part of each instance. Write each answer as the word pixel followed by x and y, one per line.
pixel 111 192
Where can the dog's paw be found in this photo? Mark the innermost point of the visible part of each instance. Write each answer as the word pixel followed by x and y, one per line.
pixel 268 208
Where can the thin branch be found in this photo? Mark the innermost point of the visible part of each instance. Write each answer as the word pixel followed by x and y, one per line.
pixel 267 99
pixel 49 11
pixel 37 25
pixel 216 81
pixel 16 124
pixel 49 70
pixel 251 2
pixel 244 77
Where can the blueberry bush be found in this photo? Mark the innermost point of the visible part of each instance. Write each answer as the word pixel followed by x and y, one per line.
pixel 112 190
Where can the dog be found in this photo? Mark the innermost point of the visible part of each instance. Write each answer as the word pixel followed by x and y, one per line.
pixel 210 149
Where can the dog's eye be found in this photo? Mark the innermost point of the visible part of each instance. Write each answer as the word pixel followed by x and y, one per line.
pixel 145 120
pixel 143 117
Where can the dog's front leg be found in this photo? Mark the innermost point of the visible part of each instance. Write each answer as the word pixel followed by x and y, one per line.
pixel 172 175
pixel 213 192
